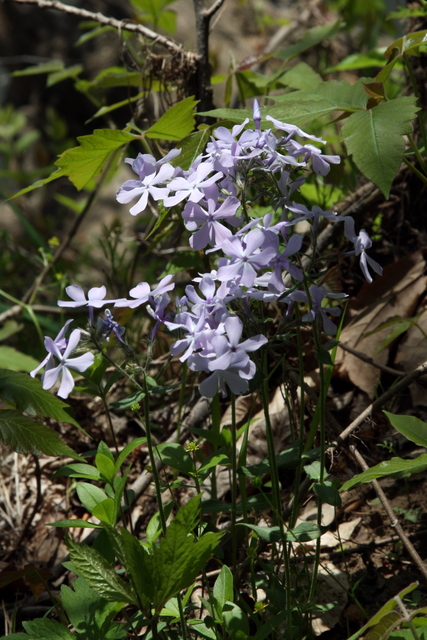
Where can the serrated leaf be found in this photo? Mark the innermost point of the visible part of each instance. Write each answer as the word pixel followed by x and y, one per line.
pixel 387 468
pixel 25 435
pixel 139 564
pixel 411 427
pixel 374 139
pixel 301 76
pixel 13 359
pixel 44 629
pixel 176 123
pixel 28 395
pixel 83 163
pixel 92 566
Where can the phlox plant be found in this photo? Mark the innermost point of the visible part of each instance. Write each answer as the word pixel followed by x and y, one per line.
pixel 222 334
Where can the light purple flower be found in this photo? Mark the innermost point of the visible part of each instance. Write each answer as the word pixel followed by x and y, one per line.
pixel 317 295
pixel 362 242
pixel 61 342
pixel 142 292
pixel 191 186
pixel 210 230
pixel 95 298
pixel 148 186
pixel 61 370
pixel 246 257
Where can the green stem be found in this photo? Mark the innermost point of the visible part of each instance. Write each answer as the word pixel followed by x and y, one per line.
pixel 420 114
pixel 216 430
pixel 417 172
pixel 275 486
pixel 150 446
pixel 233 481
pixel 295 506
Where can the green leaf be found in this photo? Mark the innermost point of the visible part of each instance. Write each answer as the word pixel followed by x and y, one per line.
pixel 412 428
pixel 374 58
pixel 44 629
pixel 105 511
pixel 304 532
pixel 25 435
pixel 374 139
pixel 176 123
pixel 12 359
pixel 129 448
pixel 105 466
pixel 270 534
pixel 301 76
pixel 82 164
pixel 382 630
pixel 28 395
pixel 70 524
pixel 327 493
pixel 174 455
pixel 89 614
pixel 154 527
pixel 223 589
pixel 78 470
pixel 192 146
pixel 92 566
pixel 139 564
pixel 387 468
pixel 64 74
pixel 90 495
pixel 311 37
pixel 235 621
pixel 44 67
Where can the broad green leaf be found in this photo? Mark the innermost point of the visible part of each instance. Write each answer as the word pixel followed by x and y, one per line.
pixel 223 589
pixel 270 534
pixel 387 468
pixel 411 427
pixel 374 139
pixel 92 566
pixel 374 58
pixel 176 123
pixel 154 527
pixel 105 466
pixel 235 621
pixel 82 164
pixel 28 395
pixel 212 461
pixel 25 435
pixel 9 329
pixel 327 493
pixel 406 44
pixel 129 448
pixel 86 611
pixel 10 358
pixel 44 629
pixel 304 532
pixel 199 626
pixel 311 37
pixel 105 511
pixel 78 470
pixel 174 455
pixel 192 146
pixel 301 76
pixel 70 524
pixel 139 565
pixel 90 495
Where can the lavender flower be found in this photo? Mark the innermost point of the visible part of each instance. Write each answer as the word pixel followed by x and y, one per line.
pixel 65 363
pixel 147 186
pixel 210 230
pixel 362 242
pixel 95 298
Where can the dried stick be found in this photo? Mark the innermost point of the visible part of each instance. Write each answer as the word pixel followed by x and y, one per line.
pixel 369 360
pixel 174 47
pixel 394 521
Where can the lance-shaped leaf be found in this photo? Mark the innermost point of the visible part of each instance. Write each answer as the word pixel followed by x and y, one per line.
pixel 388 468
pixel 25 435
pixel 94 568
pixel 374 139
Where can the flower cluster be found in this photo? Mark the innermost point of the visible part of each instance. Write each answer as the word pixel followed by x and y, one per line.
pixel 257 258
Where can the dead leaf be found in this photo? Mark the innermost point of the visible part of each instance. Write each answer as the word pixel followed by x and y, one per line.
pixel 411 353
pixel 395 294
